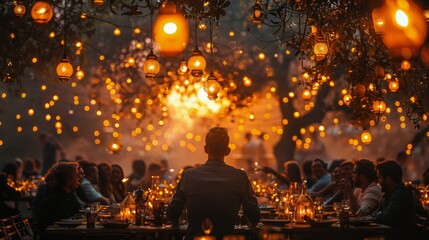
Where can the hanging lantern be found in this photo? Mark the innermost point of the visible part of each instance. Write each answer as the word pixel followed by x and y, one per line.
pixel 171 31
pixel 257 13
pixel 347 99
pixel 247 81
pixel 379 71
pixel 394 86
pixel 360 90
pixel 42 12
pixel 320 50
pixel 64 70
pixel 306 94
pixel 403 26
pixel 405 65
pixel 19 9
pixel 378 21
pixel 197 63
pixel 183 67
pixel 212 87
pixel 98 3
pixel 365 137
pixel 379 106
pixel 151 65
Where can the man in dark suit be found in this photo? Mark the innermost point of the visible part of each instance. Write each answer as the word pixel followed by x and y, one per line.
pixel 214 191
pixel 397 208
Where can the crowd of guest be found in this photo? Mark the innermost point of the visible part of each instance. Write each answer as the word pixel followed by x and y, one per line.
pixel 372 188
pixel 68 186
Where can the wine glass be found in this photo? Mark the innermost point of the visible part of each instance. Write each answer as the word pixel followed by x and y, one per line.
pixel 240 215
pixel 337 208
pixel 207 226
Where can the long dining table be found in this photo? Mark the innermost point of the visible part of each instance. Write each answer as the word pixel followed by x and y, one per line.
pixel 285 231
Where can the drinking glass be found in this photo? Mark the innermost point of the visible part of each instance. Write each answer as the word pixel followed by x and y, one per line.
pixel 207 226
pixel 337 208
pixel 90 219
pixel 240 215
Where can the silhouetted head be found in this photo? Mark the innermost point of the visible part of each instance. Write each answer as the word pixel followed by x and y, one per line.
pixel 217 141
pixel 389 175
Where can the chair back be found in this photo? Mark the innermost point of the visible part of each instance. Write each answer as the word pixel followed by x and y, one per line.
pixel 22 227
pixel 9 229
pixel 2 234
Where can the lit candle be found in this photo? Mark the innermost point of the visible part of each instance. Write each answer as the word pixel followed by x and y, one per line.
pixel 204 238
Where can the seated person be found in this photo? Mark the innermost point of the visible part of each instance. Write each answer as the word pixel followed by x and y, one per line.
pixel 331 188
pixel 292 173
pixel 308 175
pixel 365 198
pixel 214 191
pixel 7 192
pixel 397 208
pixel 321 175
pixel 86 190
pixel 59 200
pixel 137 176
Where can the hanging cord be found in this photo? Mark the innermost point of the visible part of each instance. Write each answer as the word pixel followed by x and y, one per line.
pixel 151 23
pixel 196 24
pixel 65 28
pixel 211 45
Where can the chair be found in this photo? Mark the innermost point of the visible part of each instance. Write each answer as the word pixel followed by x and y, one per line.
pixel 2 234
pixel 9 229
pixel 22 227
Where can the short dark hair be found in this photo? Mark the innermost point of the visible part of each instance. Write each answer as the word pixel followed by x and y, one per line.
pixel 139 166
pixel 217 141
pixel 334 164
pixel 154 167
pixel 86 166
pixel 322 162
pixel 390 169
pixel 401 157
pixel 367 168
pixel 347 162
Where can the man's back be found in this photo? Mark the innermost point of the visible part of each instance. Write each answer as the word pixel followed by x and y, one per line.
pixel 215 191
pixel 397 210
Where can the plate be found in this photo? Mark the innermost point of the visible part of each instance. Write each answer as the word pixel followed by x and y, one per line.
pixel 276 222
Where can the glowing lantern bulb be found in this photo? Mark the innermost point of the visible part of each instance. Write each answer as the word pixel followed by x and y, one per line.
pixel 98 3
pixel 401 18
pixel 19 9
pixel 212 87
pixel 366 137
pixel 393 86
pixel 379 106
pixel 306 94
pixel 42 12
pixel 64 70
pixel 117 32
